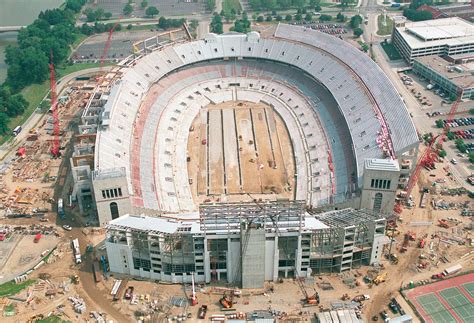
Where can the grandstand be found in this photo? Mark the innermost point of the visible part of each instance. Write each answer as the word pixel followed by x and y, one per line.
pixel 338 107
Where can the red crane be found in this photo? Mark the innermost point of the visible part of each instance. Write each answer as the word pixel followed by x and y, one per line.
pixel 106 49
pixel 429 155
pixel 55 151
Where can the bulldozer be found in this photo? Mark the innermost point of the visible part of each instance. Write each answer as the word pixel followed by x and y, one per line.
pixel 75 279
pixel 380 278
pixel 227 301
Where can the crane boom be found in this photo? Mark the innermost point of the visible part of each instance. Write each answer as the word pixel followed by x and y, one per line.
pixel 428 156
pixel 106 50
pixel 54 108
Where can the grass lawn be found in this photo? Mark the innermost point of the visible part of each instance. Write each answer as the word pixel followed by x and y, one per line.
pixel 68 69
pixel 33 94
pixel 10 288
pixel 52 319
pixel 384 30
pixel 228 5
pixel 391 51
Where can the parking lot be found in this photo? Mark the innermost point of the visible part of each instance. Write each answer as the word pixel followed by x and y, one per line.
pixel 328 28
pixel 166 7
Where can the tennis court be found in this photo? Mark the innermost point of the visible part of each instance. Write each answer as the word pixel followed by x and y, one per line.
pixel 446 301
pixel 434 308
pixel 459 303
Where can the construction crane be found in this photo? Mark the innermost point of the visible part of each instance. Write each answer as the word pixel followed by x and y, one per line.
pixel 309 300
pixel 100 77
pixel 55 149
pixel 193 295
pixel 429 155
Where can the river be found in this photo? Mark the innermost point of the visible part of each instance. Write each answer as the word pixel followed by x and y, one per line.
pixel 19 13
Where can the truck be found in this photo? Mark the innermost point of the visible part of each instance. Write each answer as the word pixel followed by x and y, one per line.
pixel 429 86
pixel 76 251
pixel 61 208
pixel 452 270
pixel 16 131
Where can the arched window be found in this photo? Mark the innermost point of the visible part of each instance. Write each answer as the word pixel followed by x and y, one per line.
pixel 378 202
pixel 114 210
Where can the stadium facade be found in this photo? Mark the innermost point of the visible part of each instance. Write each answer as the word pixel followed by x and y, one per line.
pixel 354 144
pixel 245 244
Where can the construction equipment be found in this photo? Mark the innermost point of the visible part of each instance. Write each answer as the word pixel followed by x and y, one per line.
pixel 55 152
pixel 99 77
pixel 380 278
pixel 443 223
pixel 75 279
pixel 193 296
pixel 429 155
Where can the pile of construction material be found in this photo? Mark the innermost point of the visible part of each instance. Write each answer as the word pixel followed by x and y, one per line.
pixel 78 304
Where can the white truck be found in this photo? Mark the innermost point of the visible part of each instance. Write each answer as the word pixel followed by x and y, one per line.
pixel 452 270
pixel 76 251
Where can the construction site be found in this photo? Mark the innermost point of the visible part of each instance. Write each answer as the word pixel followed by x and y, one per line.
pixel 240 147
pixel 244 206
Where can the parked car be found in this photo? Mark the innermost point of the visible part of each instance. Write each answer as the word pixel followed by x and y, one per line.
pixel 67 227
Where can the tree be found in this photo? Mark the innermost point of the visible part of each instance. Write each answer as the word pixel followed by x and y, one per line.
pixel 415 4
pixel 439 123
pixel 460 145
pixel 107 15
pixel 298 17
pixel 75 5
pixel 128 9
pixel 453 97
pixel 340 17
pixel 278 18
pixel 355 21
pixel 358 31
pixel 211 4
pixel 87 30
pixel 325 18
pixel 442 153
pixel 317 8
pixel 471 157
pixel 163 23
pixel 471 111
pixel 151 11
pixel 450 135
pixel 129 26
pixel 144 4
pixel 216 24
pixel 288 18
pixel 269 18
pixel 415 15
pixel 308 17
pixel 4 120
pixel 15 105
pixel 260 19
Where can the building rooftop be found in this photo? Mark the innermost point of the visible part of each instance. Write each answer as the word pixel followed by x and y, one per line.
pixel 148 223
pixel 388 165
pixel 439 32
pixel 459 74
pixel 347 217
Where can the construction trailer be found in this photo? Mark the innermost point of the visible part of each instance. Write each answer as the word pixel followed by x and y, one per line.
pixel 216 244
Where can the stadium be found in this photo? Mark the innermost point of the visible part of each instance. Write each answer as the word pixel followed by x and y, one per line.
pixel 211 153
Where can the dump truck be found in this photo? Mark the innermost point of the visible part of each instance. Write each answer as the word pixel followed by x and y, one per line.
pixel 380 278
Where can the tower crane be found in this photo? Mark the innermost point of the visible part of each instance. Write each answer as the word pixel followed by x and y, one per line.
pixel 429 155
pixel 100 77
pixel 55 149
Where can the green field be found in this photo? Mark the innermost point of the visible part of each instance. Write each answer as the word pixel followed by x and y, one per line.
pixel 391 51
pixel 10 288
pixel 228 5
pixel 469 287
pixel 384 30
pixel 52 319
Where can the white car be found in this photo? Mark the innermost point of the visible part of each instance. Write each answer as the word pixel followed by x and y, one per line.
pixel 67 227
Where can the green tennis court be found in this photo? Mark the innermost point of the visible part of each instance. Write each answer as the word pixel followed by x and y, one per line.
pixel 459 303
pixel 435 309
pixel 469 287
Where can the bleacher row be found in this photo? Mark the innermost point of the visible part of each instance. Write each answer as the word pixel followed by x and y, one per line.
pixel 402 130
pixel 122 116
pixel 174 109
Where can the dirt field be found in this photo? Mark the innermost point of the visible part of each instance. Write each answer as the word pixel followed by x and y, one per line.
pixel 237 148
